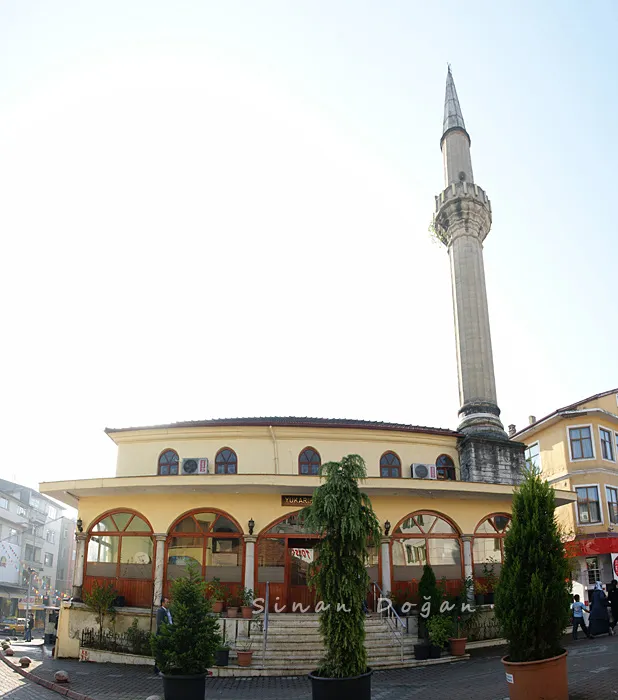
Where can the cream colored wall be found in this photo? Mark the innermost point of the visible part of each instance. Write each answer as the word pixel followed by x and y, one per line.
pixel 139 451
pixel 607 403
pixel 161 511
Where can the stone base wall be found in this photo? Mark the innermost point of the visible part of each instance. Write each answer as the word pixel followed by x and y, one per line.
pixel 491 460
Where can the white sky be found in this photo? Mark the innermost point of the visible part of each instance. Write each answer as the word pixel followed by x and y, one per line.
pixel 215 210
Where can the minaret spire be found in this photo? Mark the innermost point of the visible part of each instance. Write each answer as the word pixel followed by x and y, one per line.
pixel 453 118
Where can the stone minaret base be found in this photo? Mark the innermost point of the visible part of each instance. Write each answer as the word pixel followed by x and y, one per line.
pixel 491 459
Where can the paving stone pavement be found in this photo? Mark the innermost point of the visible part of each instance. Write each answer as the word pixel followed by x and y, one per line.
pixel 593 675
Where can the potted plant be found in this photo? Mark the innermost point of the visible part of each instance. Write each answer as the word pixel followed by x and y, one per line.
pixel 463 618
pixel 345 517
pixel 232 606
pixel 533 595
pixel 244 651
pixel 439 628
pixel 185 649
pixel 491 581
pixel 429 600
pixel 222 655
pixel 216 592
pixel 246 602
pixel 479 592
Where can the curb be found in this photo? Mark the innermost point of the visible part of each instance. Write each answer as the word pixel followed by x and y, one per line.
pixel 57 688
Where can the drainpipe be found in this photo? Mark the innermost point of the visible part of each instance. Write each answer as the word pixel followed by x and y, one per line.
pixel 276 448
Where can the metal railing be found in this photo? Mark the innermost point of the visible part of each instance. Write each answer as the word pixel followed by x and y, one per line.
pixel 266 613
pixel 395 624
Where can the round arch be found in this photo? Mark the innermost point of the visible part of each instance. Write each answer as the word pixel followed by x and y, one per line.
pixel 168 462
pixel 426 537
pixel 212 539
pixel 488 545
pixel 120 550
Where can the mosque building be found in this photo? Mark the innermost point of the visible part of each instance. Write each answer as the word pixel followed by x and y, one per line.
pixel 225 493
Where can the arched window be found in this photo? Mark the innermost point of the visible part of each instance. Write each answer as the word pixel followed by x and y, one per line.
pixel 226 462
pixel 445 468
pixel 390 465
pixel 168 463
pixel 426 538
pixel 309 461
pixel 120 550
pixel 210 538
pixel 488 552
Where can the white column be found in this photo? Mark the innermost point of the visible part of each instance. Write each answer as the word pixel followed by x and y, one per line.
pixel 386 565
pixel 159 567
pixel 468 570
pixel 78 571
pixel 250 561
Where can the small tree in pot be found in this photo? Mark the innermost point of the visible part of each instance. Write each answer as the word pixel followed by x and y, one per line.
pixel 185 649
pixel 430 599
pixel 345 518
pixel 533 595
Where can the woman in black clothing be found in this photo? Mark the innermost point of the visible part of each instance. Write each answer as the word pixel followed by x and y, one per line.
pixel 599 618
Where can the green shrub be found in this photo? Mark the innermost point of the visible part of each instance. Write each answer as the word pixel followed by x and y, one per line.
pixel 440 628
pixel 188 645
pixel 533 595
pixel 101 601
pixel 429 593
pixel 345 517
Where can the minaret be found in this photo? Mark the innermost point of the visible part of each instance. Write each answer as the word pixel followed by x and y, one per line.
pixel 462 222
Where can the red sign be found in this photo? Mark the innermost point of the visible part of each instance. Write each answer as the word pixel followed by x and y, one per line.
pixel 591 546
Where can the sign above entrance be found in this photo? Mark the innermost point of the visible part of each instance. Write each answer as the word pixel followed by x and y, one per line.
pixel 615 566
pixel 296 500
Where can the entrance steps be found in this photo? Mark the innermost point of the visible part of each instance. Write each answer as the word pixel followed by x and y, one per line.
pixel 294 647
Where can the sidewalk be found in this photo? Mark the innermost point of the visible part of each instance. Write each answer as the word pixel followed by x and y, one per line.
pixel 593 675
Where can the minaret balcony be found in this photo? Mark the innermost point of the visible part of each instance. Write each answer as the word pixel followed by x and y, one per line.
pixel 462 208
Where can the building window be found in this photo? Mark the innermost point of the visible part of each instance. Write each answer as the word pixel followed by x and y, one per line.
pixel 4 502
pixel 533 455
pixel 612 504
pixel 34 502
pixel 120 550
pixel 488 549
pixel 52 512
pixel 168 463
pixel 592 570
pixel 390 465
pixel 581 443
pixel 51 536
pixel 226 462
pixel 49 559
pixel 588 510
pixel 445 468
pixel 21 511
pixel 309 462
pixel 13 537
pixel 607 445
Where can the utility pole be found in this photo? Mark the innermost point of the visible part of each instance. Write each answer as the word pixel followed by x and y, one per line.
pixel 30 572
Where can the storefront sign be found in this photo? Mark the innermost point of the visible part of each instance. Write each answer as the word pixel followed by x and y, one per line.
pixel 296 500
pixel 615 566
pixel 303 554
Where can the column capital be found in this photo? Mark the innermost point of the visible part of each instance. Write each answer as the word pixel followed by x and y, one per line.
pixel 385 539
pixel 81 536
pixel 160 536
pixel 250 538
pixel 467 538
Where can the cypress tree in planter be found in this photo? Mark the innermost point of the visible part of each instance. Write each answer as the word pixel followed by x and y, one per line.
pixel 533 596
pixel 184 650
pixel 345 518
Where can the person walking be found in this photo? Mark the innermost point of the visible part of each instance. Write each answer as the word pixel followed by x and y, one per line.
pixel 599 618
pixel 164 617
pixel 29 628
pixel 578 609
pixel 612 596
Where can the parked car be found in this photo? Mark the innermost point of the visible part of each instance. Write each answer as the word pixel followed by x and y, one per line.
pixel 13 624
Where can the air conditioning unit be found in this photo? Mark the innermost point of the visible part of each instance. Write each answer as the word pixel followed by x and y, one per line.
pixel 424 471
pixel 195 465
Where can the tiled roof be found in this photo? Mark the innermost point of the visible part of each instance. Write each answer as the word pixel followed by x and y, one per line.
pixel 294 422
pixel 570 407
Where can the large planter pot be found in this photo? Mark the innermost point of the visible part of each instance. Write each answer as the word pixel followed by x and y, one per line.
pixel 217 606
pixel 479 598
pixel 184 687
pixel 538 680
pixel 222 657
pixel 434 652
pixel 489 598
pixel 354 688
pixel 232 612
pixel 421 652
pixel 244 658
pixel 247 612
pixel 458 645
